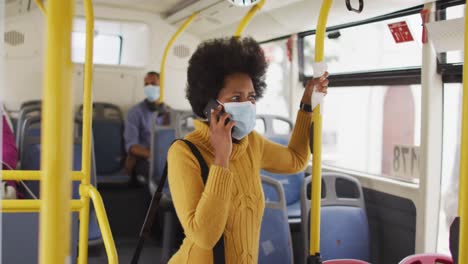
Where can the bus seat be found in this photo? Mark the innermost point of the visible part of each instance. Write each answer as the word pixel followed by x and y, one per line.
pixel 291 184
pixel 344 228
pixel 427 259
pixel 184 123
pixel 30 103
pixel 108 127
pixel 162 138
pixel 102 110
pixel 25 113
pixel 32 158
pixel 20 235
pixel 345 261
pixel 275 239
pixel 108 145
pixel 274 126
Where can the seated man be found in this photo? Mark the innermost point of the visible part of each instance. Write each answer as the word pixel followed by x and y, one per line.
pixel 137 133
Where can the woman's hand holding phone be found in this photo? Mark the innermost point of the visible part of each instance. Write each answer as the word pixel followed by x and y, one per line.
pixel 221 125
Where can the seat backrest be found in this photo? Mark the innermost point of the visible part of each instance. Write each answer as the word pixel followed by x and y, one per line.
pixel 25 113
pixel 427 259
pixel 109 145
pixel 103 110
pixel 291 182
pixel 31 153
pixel 20 235
pixel 108 129
pixel 30 103
pixel 184 123
pixel 275 238
pixel 344 228
pixel 274 126
pixel 161 139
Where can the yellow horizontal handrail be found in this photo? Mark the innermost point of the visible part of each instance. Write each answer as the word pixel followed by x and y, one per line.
pixel 30 175
pixel 103 224
pixel 40 4
pixel 23 206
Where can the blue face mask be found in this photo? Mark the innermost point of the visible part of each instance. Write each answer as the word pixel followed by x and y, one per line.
pixel 244 114
pixel 152 92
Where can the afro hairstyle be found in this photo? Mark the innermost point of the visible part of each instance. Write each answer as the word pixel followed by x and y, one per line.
pixel 217 58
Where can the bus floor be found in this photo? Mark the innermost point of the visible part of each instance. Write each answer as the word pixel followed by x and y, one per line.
pixel 125 247
pixel 126 206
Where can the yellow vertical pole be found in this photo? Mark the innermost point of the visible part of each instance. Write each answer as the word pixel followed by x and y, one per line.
pixel 166 52
pixel 463 195
pixel 57 124
pixel 248 17
pixel 87 125
pixel 317 144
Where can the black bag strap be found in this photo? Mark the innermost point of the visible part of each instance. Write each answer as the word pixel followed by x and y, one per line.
pixel 201 161
pixel 218 250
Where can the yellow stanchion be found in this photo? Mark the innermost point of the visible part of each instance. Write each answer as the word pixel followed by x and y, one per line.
pixel 317 144
pixel 57 136
pixel 40 4
pixel 463 195
pixel 247 18
pixel 166 52
pixel 87 125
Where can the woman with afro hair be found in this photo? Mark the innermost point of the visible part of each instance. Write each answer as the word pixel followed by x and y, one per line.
pixel 230 205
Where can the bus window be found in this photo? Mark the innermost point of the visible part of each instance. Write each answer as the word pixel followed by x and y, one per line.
pixel 450 162
pixel 454 12
pixel 363 125
pixel 115 42
pixel 276 99
pixel 107 48
pixel 346 51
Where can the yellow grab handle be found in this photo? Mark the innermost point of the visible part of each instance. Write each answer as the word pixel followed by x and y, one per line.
pixel 166 51
pixel 245 21
pixel 103 225
pixel 40 4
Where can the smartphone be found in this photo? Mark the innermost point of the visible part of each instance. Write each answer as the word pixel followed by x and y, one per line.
pixel 213 104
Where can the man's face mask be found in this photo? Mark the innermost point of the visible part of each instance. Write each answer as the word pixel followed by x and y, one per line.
pixel 244 114
pixel 152 92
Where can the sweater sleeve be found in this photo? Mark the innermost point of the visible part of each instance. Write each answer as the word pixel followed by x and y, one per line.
pixel 293 158
pixel 202 210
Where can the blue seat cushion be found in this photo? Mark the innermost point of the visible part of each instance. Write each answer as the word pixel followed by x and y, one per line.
pixel 294 210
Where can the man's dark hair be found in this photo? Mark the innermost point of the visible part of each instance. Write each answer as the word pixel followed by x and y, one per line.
pixel 153 73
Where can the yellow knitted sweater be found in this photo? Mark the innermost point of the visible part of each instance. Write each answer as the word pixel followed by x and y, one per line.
pixel 232 201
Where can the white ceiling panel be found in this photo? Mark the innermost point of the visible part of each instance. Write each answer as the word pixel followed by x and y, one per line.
pixel 279 18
